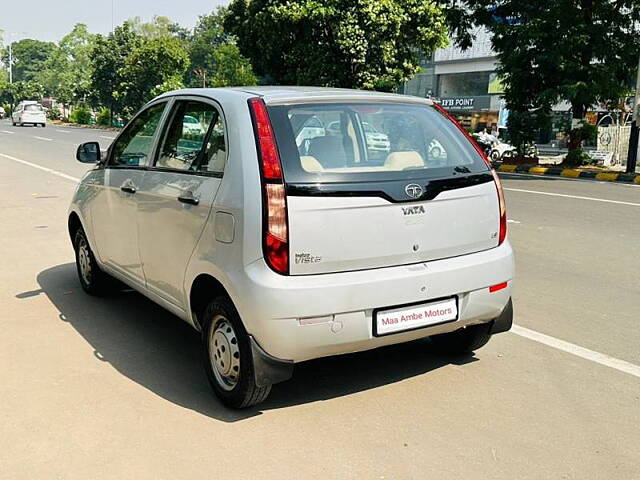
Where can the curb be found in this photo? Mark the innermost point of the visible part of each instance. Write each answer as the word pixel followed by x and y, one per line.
pixel 571 173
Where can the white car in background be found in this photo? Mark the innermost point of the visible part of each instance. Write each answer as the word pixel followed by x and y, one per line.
pixel 376 141
pixel 192 126
pixel 29 113
pixel 279 256
pixel 2 112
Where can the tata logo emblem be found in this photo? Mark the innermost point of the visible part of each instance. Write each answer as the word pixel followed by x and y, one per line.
pixel 413 190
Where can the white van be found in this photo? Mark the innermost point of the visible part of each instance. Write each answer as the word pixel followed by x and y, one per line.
pixel 280 247
pixel 29 112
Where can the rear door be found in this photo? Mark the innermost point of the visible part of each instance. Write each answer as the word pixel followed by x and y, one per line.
pixel 416 192
pixel 177 194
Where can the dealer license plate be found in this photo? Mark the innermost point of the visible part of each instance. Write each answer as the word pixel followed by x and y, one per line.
pixel 400 319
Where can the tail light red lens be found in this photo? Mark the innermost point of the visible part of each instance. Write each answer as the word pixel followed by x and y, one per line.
pixel 503 208
pixel 269 157
pixel 502 234
pixel 275 231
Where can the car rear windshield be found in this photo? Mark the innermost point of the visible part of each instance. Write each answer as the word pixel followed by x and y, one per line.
pixel 33 108
pixel 360 142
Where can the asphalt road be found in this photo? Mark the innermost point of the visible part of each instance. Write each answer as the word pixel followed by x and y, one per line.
pixel 113 387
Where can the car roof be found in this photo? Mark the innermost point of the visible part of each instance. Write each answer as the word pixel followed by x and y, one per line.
pixel 294 94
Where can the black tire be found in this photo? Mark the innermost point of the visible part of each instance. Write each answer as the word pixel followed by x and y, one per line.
pixel 14 123
pixel 93 281
pixel 463 341
pixel 235 388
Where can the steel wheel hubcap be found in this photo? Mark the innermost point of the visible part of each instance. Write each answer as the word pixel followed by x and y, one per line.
pixel 224 353
pixel 84 261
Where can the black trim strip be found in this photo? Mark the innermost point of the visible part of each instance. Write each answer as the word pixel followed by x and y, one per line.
pixel 393 191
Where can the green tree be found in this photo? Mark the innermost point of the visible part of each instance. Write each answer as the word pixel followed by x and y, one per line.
pixel 215 57
pixel 67 72
pixel 581 51
pixel 18 91
pixel 109 55
pixel 155 66
pixel 338 43
pixel 29 57
pixel 160 26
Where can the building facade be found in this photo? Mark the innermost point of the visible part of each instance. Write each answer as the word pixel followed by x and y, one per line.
pixel 464 81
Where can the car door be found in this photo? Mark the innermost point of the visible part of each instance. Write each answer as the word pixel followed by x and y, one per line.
pixel 115 208
pixel 177 194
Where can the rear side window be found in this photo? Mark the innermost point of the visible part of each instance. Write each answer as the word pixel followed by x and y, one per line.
pixel 194 140
pixel 353 142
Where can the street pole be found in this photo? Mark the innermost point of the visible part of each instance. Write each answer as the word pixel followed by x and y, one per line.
pixel 632 156
pixel 10 59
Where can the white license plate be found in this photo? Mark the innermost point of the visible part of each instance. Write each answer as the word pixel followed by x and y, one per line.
pixel 399 319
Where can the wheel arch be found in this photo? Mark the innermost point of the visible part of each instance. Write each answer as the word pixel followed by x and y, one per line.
pixel 73 224
pixel 203 289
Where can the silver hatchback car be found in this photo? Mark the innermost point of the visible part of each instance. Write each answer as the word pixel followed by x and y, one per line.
pixel 280 247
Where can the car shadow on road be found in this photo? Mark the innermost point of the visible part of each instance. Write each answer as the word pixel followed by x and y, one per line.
pixel 160 352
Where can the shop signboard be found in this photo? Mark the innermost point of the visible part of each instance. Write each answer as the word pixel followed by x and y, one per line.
pixel 476 103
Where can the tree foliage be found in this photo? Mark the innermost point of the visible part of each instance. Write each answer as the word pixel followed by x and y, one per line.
pixel 29 57
pixel 215 59
pixel 109 55
pixel 67 72
pixel 582 51
pixel 338 43
pixel 157 65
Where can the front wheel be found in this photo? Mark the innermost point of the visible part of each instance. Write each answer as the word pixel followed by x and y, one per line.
pixel 464 340
pixel 227 356
pixel 93 280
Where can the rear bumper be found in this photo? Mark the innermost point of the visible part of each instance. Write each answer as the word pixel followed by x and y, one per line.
pixel 298 318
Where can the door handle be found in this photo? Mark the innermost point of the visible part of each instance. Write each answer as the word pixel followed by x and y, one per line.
pixel 128 187
pixel 188 198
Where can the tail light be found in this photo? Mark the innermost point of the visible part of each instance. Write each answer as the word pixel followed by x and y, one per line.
pixel 275 241
pixel 502 234
pixel 503 208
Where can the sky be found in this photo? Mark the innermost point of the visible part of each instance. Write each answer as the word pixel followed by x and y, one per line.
pixel 50 20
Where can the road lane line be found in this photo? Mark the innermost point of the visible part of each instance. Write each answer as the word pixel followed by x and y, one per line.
pixel 578 351
pixel 110 138
pixel 7 131
pixel 40 167
pixel 44 138
pixel 62 131
pixel 573 196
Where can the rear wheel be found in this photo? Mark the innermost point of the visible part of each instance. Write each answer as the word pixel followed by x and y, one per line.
pixel 227 356
pixel 93 280
pixel 464 340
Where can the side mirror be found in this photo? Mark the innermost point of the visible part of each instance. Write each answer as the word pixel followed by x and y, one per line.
pixel 89 152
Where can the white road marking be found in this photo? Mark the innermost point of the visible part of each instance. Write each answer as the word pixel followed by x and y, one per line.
pixel 110 138
pixel 44 138
pixel 40 167
pixel 62 131
pixel 573 196
pixel 513 221
pixel 600 358
pixel 7 131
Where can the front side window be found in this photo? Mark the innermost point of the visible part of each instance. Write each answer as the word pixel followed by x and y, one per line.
pixel 194 140
pixel 369 142
pixel 134 147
